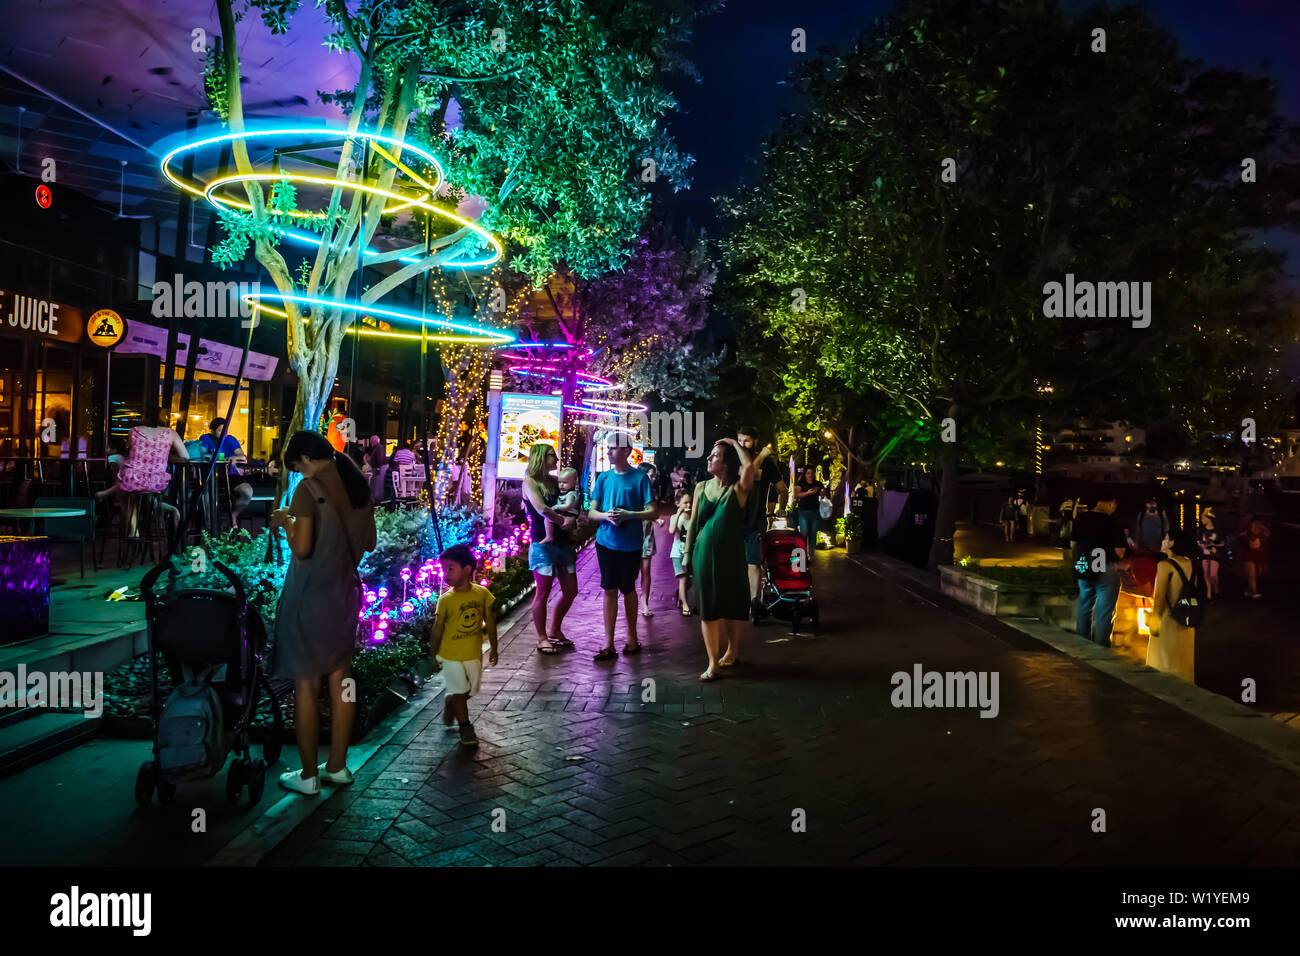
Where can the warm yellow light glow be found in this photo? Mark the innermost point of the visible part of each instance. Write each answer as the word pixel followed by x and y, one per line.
pixel 1143 628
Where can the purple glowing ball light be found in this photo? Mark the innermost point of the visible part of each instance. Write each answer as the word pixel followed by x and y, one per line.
pixel 408 608
pixel 383 592
pixel 406 574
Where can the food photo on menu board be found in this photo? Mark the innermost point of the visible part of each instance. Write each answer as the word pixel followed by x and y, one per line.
pixel 526 420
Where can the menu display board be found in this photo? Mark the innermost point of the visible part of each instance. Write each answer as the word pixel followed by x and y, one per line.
pixel 525 420
pixel 635 457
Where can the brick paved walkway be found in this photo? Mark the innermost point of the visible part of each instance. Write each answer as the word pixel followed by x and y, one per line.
pixel 713 773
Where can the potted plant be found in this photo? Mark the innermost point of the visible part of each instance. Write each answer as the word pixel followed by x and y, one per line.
pixel 853 531
pixel 839 532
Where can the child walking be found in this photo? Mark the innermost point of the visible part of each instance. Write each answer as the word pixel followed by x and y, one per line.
pixel 465 614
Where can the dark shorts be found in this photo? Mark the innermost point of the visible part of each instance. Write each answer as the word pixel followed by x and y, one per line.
pixel 619 570
pixel 754 547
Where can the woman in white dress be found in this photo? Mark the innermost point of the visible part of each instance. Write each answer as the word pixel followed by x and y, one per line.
pixel 1172 646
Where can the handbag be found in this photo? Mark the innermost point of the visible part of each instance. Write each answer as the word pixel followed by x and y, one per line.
pixel 1189 609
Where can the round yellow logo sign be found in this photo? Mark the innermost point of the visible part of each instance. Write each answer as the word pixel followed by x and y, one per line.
pixel 105 328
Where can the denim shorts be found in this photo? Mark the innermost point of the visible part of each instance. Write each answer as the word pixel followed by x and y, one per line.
pixel 545 558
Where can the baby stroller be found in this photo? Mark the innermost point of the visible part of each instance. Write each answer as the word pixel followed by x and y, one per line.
pixel 786 590
pixel 212 643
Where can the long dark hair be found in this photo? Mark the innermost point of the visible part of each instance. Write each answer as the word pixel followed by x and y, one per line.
pixel 730 461
pixel 315 446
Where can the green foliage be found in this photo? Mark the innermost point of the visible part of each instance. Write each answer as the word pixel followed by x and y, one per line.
pixel 405 537
pixel 1050 579
pixel 556 139
pixel 214 83
pixel 245 556
pixel 930 294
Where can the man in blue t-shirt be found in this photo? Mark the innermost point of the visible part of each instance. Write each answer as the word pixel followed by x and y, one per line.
pixel 242 493
pixel 620 501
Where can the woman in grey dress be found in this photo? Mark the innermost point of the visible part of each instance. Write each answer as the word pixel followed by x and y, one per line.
pixel 329 525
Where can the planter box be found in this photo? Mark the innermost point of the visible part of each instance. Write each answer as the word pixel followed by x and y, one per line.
pixel 998 599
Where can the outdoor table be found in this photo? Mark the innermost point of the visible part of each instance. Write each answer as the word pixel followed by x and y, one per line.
pixel 36 514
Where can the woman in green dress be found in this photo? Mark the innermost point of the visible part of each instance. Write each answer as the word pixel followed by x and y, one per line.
pixel 715 551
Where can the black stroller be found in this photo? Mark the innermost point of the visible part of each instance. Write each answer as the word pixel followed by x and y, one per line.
pixel 212 643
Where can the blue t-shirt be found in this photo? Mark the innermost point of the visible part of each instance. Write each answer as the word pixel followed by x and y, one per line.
pixel 229 448
pixel 629 491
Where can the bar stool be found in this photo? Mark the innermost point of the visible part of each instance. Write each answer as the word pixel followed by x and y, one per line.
pixel 141 525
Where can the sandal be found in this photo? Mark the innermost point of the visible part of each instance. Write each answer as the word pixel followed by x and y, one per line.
pixel 560 641
pixel 709 676
pixel 547 647
pixel 632 648
pixel 606 653
pixel 723 662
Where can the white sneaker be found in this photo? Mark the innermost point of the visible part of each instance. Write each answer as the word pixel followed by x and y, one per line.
pixel 295 781
pixel 342 778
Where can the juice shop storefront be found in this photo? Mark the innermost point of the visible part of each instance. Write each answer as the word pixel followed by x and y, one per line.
pixel 73 381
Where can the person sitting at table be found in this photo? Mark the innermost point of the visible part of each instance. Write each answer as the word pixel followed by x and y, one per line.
pixel 145 469
pixel 402 455
pixel 242 493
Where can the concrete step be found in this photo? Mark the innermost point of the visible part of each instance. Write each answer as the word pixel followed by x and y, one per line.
pixel 40 736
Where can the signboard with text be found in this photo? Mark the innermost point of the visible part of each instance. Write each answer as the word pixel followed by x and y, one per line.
pixel 525 420
pixel 40 318
pixel 218 358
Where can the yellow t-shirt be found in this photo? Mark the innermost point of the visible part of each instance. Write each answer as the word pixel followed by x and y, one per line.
pixel 464 615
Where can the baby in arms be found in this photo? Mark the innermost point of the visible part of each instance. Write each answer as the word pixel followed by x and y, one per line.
pixel 569 503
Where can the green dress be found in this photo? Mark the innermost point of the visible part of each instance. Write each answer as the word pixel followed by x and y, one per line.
pixel 718 559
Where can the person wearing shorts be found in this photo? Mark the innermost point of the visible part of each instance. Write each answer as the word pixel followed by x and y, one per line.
pixel 621 500
pixel 465 615
pixel 649 548
pixel 678 525
pixel 551 562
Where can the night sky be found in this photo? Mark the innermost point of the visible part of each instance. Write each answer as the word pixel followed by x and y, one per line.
pixel 743 56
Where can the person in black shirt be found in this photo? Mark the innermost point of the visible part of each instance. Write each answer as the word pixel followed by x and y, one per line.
pixel 807 493
pixel 769 475
pixel 1098 548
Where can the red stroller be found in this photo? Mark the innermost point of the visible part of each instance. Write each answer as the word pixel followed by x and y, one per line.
pixel 786 591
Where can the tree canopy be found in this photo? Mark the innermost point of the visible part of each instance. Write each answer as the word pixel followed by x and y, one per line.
pixel 1117 166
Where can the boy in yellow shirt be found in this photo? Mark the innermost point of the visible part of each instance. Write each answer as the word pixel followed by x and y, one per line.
pixel 465 613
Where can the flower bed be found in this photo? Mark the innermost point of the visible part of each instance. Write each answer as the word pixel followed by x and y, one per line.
pixel 401 578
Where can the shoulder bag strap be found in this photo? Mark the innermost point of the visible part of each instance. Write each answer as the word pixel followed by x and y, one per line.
pixel 347 530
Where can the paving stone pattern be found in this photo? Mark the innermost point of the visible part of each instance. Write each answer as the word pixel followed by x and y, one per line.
pixel 583 772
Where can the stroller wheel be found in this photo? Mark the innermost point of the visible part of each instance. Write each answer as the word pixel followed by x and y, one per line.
pixel 144 784
pixel 234 780
pixel 166 792
pixel 814 613
pixel 256 780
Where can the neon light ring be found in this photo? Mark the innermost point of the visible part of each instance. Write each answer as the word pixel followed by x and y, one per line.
pixel 606 404
pixel 586 379
pixel 469 332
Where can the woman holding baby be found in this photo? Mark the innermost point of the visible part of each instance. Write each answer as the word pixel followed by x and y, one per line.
pixel 551 554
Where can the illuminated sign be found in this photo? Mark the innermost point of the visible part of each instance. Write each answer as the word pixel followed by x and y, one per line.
pixel 105 328
pixel 39 317
pixel 526 420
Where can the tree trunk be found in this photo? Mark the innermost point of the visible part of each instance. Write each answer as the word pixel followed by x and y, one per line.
pixel 945 522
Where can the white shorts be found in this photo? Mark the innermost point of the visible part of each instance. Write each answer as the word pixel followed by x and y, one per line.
pixel 461 677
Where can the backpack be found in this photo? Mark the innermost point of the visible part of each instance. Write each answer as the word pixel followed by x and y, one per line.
pixel 1189 609
pixel 190 728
